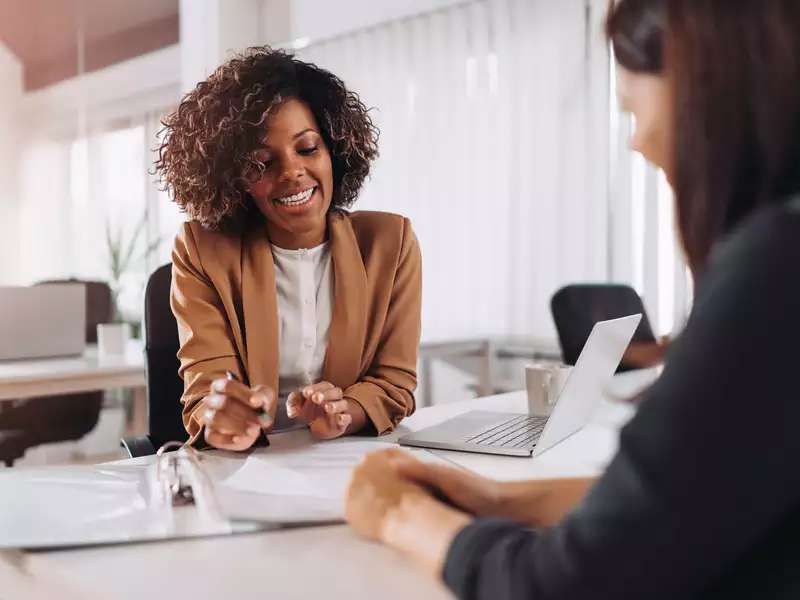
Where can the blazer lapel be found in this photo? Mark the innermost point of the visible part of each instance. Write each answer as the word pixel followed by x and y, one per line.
pixel 347 336
pixel 260 306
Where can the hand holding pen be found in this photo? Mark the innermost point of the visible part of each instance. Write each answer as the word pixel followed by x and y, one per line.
pixel 235 414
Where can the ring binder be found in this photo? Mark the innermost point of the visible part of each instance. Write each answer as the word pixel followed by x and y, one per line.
pixel 180 492
pixel 182 495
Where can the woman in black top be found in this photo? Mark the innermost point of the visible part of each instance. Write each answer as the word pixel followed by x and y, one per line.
pixel 702 499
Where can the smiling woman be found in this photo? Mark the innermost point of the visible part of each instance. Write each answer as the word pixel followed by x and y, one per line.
pixel 291 310
pixel 296 205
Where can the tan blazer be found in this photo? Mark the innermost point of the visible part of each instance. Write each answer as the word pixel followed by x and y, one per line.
pixel 224 298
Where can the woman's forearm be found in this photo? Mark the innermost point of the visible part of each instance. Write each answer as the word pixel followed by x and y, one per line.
pixel 423 528
pixel 542 502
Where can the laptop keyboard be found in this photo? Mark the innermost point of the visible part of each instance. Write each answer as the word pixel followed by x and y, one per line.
pixel 518 432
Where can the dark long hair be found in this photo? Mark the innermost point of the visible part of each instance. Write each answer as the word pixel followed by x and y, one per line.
pixel 735 72
pixel 636 29
pixel 735 66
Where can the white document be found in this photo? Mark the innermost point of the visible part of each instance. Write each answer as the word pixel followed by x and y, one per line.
pixel 296 479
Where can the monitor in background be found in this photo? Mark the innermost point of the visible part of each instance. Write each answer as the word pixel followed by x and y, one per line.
pixel 42 321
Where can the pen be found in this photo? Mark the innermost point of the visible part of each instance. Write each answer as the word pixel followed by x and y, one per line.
pixel 263 415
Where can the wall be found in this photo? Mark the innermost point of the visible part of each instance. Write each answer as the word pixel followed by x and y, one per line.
pixel 12 132
pixel 148 82
pixel 211 29
pixel 69 209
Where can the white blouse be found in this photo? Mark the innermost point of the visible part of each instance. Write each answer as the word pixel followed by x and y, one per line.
pixel 304 286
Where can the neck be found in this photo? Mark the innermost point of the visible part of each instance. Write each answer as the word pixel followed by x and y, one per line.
pixel 290 240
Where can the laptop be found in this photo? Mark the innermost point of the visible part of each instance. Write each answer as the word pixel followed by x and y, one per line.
pixel 42 321
pixel 526 435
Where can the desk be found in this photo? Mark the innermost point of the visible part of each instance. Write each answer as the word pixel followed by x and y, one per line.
pixel 87 373
pixel 487 351
pixel 329 562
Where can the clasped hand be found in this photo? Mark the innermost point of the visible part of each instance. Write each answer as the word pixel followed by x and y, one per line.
pixel 235 414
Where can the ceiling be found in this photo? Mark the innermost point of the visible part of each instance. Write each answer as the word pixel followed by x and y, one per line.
pixel 43 33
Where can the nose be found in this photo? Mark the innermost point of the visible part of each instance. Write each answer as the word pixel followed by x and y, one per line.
pixel 291 168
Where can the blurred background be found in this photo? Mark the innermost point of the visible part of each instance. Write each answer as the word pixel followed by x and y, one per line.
pixel 500 139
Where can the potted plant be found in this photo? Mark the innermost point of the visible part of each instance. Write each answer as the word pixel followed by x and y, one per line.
pixel 123 257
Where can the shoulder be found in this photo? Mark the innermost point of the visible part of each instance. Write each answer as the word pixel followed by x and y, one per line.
pixel 756 264
pixel 382 228
pixel 193 242
pixel 768 238
pixel 368 221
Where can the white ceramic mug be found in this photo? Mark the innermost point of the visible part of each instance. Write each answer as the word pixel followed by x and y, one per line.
pixel 112 339
pixel 544 384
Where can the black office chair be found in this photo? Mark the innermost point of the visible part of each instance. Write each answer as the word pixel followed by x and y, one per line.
pixel 32 422
pixel 576 308
pixel 164 385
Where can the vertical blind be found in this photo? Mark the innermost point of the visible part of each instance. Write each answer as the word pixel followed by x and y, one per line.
pixel 494 141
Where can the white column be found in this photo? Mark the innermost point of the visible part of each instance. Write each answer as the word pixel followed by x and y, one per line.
pixel 276 22
pixel 212 30
pixel 10 97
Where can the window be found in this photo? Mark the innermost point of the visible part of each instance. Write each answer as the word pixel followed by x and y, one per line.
pixel 81 191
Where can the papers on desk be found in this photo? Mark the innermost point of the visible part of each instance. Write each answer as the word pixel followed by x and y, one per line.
pixel 295 481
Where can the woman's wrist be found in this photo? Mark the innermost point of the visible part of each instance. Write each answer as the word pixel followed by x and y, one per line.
pixel 358 417
pixel 424 528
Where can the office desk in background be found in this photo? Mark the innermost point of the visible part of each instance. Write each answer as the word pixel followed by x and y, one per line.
pixel 53 376
pixel 323 562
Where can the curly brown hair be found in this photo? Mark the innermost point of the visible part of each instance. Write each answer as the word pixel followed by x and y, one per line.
pixel 207 155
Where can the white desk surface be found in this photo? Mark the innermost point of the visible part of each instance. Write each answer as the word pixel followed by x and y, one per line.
pixel 43 377
pixel 330 562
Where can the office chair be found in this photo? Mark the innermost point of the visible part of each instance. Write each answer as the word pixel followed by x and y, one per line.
pixel 164 385
pixel 576 308
pixel 32 422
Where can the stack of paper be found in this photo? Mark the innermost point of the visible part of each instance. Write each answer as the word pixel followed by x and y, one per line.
pixel 293 479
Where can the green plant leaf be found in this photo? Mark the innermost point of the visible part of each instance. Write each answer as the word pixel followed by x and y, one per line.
pixel 137 232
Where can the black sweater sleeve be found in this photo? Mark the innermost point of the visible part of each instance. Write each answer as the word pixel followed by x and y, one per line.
pixel 705 470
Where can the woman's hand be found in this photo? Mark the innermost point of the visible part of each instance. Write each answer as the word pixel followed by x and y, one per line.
pixel 328 414
pixel 383 505
pixel 472 493
pixel 643 355
pixel 235 414
pixel 538 502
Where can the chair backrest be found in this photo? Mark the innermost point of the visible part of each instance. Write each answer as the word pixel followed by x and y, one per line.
pixel 164 385
pixel 98 304
pixel 576 308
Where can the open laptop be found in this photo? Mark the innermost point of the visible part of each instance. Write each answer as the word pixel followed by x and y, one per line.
pixel 526 435
pixel 42 321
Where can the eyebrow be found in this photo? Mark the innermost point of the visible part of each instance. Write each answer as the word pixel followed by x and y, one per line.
pixel 294 137
pixel 297 135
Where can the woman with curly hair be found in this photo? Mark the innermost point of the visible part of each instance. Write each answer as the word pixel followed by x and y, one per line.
pixel 291 310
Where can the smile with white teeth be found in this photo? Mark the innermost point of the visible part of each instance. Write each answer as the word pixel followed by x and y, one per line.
pixel 297 199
